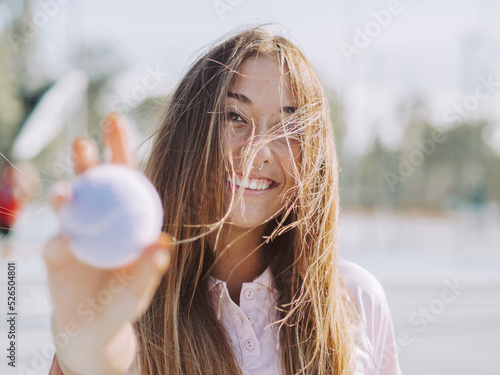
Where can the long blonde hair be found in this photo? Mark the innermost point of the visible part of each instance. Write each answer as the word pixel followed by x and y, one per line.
pixel 180 332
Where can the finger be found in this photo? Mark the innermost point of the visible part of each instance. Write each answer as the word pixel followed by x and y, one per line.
pixel 60 193
pixel 85 154
pixel 117 141
pixel 149 270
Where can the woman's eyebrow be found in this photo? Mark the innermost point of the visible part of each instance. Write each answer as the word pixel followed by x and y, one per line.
pixel 245 99
pixel 240 97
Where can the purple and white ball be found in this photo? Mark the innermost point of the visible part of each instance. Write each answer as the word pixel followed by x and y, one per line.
pixel 115 212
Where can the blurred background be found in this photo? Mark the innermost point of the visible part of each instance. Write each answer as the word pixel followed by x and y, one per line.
pixel 414 88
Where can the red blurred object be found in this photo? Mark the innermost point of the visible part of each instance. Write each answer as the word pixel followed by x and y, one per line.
pixel 10 204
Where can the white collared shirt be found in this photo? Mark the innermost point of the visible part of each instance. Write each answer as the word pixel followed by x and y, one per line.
pixel 249 324
pixel 255 338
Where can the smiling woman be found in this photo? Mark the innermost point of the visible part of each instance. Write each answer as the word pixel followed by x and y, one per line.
pixel 245 163
pixel 255 105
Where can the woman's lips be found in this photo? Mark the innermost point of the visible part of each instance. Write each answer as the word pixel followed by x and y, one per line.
pixel 253 192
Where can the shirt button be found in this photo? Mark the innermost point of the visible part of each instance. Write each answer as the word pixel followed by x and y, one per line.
pixel 250 319
pixel 249 293
pixel 249 344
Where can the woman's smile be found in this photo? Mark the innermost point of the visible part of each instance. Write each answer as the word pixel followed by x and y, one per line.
pixel 250 186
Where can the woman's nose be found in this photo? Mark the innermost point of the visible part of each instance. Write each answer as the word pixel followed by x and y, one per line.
pixel 260 144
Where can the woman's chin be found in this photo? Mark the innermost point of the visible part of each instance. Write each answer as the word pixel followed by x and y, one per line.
pixel 249 219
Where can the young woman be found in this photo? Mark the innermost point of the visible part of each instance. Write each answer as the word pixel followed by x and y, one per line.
pixel 245 162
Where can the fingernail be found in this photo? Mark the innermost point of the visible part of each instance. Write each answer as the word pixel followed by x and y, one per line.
pixel 109 125
pixel 164 240
pixel 81 146
pixel 111 121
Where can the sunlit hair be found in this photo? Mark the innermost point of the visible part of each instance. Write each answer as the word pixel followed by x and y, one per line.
pixel 180 332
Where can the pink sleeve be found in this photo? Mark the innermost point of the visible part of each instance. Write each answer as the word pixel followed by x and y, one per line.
pixel 55 369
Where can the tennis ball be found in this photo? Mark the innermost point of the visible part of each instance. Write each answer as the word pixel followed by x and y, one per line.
pixel 114 213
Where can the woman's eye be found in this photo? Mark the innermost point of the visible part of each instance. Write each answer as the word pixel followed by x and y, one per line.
pixel 291 128
pixel 289 131
pixel 233 116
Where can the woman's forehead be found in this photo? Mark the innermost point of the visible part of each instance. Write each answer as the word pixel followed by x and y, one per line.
pixel 261 72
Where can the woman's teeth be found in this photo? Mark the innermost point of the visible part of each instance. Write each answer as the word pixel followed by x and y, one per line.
pixel 252 184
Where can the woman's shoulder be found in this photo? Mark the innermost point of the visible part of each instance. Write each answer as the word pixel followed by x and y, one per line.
pixel 366 291
pixel 360 281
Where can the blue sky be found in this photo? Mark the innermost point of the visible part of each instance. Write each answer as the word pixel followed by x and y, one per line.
pixel 421 49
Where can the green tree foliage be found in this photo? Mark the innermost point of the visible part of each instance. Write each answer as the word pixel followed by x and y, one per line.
pixel 434 168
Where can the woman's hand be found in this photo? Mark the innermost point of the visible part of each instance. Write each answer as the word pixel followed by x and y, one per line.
pixel 93 309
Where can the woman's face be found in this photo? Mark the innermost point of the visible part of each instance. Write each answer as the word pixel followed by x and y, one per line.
pixel 257 102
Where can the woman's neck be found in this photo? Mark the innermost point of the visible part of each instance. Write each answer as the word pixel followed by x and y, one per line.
pixel 242 261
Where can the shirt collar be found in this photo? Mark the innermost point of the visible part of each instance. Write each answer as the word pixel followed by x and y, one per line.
pixel 265 279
